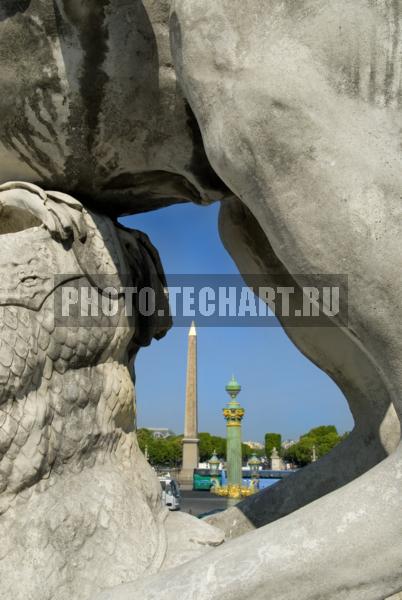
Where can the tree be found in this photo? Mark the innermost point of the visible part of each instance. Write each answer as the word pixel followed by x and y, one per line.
pixel 144 437
pixel 205 446
pixel 161 451
pixel 246 452
pixel 210 443
pixel 323 438
pixel 272 440
pixel 219 444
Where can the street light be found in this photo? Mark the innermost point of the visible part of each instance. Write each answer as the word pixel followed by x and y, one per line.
pixel 214 463
pixel 314 454
pixel 254 465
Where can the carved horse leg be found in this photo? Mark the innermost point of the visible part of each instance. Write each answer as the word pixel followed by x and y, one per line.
pixel 299 109
pixel 377 431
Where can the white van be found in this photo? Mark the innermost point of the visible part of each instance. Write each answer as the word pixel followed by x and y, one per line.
pixel 170 493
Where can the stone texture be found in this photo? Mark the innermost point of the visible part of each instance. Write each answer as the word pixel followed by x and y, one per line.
pixel 191 410
pixel 80 508
pixel 303 125
pixel 190 440
pixel 377 429
pixel 91 106
pixel 276 461
pixel 298 104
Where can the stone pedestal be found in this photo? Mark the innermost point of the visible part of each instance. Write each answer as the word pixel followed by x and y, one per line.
pixel 276 461
pixel 190 461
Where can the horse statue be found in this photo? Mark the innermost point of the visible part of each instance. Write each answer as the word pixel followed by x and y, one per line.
pixel 288 114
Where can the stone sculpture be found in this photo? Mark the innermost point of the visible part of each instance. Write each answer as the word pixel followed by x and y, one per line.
pixel 75 491
pixel 289 113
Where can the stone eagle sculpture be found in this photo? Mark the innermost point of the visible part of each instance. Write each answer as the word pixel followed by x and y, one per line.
pixel 75 490
pixel 289 114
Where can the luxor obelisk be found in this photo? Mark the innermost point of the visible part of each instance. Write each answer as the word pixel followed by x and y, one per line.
pixel 190 440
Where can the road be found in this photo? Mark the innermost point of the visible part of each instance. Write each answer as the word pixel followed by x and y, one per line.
pixel 198 503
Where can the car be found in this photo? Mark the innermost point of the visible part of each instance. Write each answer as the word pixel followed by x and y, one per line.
pixel 171 497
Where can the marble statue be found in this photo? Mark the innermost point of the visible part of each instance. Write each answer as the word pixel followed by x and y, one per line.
pixel 76 493
pixel 289 114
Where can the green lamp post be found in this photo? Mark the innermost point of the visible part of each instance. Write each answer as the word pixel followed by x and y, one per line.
pixel 254 465
pixel 233 414
pixel 214 463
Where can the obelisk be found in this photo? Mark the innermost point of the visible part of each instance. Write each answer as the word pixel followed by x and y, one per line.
pixel 190 440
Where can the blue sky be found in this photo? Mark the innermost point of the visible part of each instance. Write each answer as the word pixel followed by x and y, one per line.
pixel 281 390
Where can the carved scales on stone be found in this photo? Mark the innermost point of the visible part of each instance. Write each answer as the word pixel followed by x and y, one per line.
pixel 80 508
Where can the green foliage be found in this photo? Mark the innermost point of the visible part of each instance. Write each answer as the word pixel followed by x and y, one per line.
pixel 219 444
pixel 167 451
pixel 144 437
pixel 246 452
pixel 272 440
pixel 324 438
pixel 209 443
